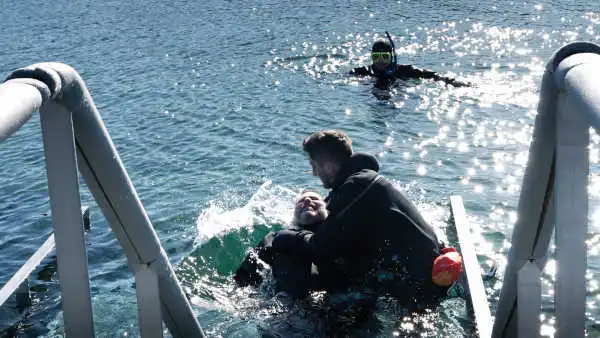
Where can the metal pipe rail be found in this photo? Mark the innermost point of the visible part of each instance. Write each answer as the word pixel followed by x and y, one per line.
pixel 554 198
pixel 18 283
pixel 75 138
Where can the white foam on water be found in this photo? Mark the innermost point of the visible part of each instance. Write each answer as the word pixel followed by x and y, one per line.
pixel 270 204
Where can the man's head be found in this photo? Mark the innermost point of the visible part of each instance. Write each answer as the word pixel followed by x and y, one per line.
pixel 381 55
pixel 310 209
pixel 327 150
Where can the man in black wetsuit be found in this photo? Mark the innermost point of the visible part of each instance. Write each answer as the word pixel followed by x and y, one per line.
pixel 386 69
pixel 374 240
pixel 294 276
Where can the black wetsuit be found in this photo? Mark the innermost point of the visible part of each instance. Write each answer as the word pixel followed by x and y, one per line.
pixel 374 239
pixel 404 72
pixel 292 274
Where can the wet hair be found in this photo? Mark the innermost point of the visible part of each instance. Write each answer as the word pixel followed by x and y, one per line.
pixel 382 45
pixel 312 191
pixel 333 145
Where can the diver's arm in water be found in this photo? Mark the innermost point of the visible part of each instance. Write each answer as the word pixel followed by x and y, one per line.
pixel 248 273
pixel 361 71
pixel 412 72
pixel 292 274
pixel 406 72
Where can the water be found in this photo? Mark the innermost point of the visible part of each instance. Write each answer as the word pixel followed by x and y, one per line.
pixel 208 103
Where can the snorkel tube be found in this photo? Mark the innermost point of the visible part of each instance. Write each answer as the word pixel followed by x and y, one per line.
pixel 391 69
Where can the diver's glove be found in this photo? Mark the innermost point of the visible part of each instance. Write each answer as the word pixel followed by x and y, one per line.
pixel 292 241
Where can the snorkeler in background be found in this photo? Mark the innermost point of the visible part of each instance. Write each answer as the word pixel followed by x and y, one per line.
pixel 386 70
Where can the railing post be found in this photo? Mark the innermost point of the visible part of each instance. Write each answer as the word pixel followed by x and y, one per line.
pixel 63 186
pixel 529 296
pixel 533 230
pixel 148 297
pixel 571 180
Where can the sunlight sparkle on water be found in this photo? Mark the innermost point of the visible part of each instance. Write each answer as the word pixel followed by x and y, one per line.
pixel 389 141
pixel 593 243
pixel 547 330
pixel 512 217
pixel 550 268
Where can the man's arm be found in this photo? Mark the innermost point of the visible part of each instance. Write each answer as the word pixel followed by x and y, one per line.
pixel 361 71
pixel 248 272
pixel 411 72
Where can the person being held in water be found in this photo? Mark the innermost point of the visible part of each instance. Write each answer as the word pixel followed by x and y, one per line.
pixel 294 276
pixel 374 239
pixel 386 70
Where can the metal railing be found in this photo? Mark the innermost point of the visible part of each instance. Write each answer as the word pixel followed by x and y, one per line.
pixel 554 197
pixel 18 284
pixel 75 138
pixel 471 277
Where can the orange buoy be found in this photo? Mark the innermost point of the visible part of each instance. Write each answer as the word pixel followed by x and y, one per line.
pixel 446 267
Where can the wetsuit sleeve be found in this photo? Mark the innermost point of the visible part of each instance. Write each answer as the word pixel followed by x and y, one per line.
pixel 248 271
pixel 265 249
pixel 343 228
pixel 360 71
pixel 411 72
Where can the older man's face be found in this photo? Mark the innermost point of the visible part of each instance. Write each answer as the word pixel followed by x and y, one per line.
pixel 310 209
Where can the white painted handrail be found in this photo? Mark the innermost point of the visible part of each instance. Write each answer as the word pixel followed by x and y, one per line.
pixel 554 197
pixel 21 275
pixel 75 138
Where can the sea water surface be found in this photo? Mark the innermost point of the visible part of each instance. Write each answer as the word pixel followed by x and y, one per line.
pixel 207 103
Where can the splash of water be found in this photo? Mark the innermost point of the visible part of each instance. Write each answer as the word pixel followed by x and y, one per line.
pixel 271 204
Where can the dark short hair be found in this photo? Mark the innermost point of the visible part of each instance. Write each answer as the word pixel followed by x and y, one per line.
pixel 333 145
pixel 381 45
